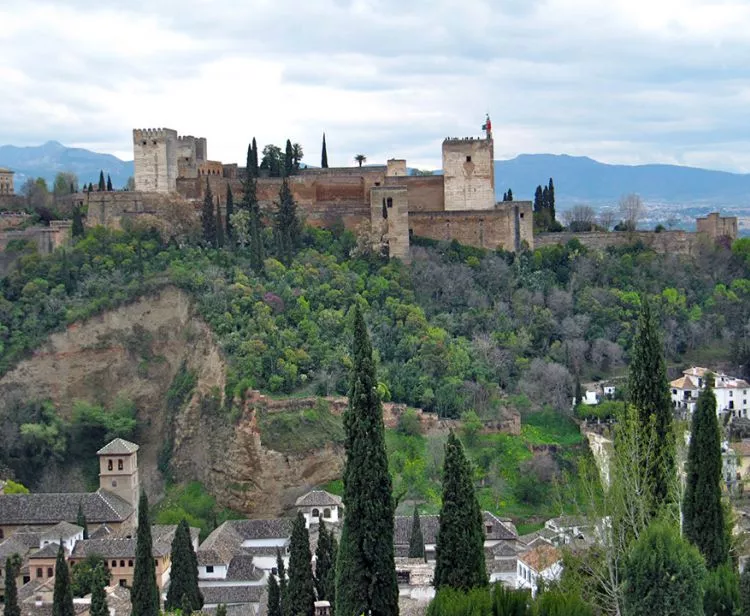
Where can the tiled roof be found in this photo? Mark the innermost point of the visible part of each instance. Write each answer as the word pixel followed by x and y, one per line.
pixel 213 595
pixel 541 557
pixel 220 546
pixel 402 528
pixel 318 498
pixel 742 448
pixel 241 568
pixel 118 447
pixel 278 528
pixel 102 532
pixel 30 536
pixel 12 546
pixel 106 548
pixel 501 528
pixel 684 382
pixel 48 551
pixel 48 508
pixel 62 530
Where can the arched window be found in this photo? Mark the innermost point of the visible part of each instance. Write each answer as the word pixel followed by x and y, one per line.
pixel 119 465
pixel 109 465
pixel 389 202
pixel 50 572
pixel 315 513
pixel 327 513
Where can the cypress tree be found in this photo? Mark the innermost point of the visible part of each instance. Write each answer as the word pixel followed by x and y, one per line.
pixel 551 200
pixel 255 158
pixel 300 593
pixel 62 599
pixel 460 541
pixel 538 199
pixel 12 566
pixel 77 228
pixel 98 593
pixel 324 154
pixel 186 609
pixel 257 250
pixel 102 184
pixel 249 160
pixel 744 591
pixel 579 392
pixel 144 594
pixel 648 391
pixel 288 227
pixel 219 225
pixel 288 159
pixel 281 572
pixel 208 217
pixel 702 510
pixel 230 210
pixel 325 564
pixel 510 194
pixel 416 541
pixel 274 597
pixel 365 569
pixel 183 583
pixel 109 183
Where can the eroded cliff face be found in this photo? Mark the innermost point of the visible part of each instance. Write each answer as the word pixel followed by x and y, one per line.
pixel 135 352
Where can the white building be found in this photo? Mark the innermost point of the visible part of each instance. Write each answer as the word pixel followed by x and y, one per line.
pixel 543 562
pixel 319 504
pixel 731 392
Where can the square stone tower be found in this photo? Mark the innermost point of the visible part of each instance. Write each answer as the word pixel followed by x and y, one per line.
pixel 155 153
pixel 469 172
pixel 389 218
pixel 6 181
pixel 118 470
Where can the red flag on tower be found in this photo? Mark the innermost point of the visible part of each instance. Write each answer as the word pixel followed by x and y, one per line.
pixel 487 126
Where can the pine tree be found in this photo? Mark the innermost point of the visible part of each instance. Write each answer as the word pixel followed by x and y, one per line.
pixel 460 541
pixel 98 593
pixel 102 183
pixel 62 599
pixel 81 521
pixel 300 593
pixel 416 540
pixel 365 569
pixel 324 154
pixel 12 567
pixel 183 583
pixel 144 594
pixel 702 510
pixel 77 228
pixel 288 227
pixel 744 592
pixel 648 391
pixel 274 597
pixel 208 218
pixel 325 565
pixel 219 225
pixel 230 210
pixel 288 159
pixel 109 183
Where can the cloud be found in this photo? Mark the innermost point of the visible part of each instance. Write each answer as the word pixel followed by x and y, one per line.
pixel 622 81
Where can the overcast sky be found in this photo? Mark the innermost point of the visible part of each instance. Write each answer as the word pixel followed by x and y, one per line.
pixel 626 81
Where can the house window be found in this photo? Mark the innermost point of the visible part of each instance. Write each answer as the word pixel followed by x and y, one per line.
pixel 389 201
pixel 674 391
pixel 122 563
pixel 119 465
pixel 130 563
pixel 38 572
pixel 731 404
pixel 521 214
pixel 488 528
pixel 49 572
pixel 114 564
pixel 403 577
pixel 326 513
pixel 274 571
pixel 122 583
pixel 315 513
pixel 26 579
pixel 114 483
pixel 109 465
pixel 468 159
pixel 209 568
pixel 2 534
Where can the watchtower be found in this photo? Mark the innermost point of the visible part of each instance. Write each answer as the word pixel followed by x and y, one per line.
pixel 6 181
pixel 389 218
pixel 469 172
pixel 155 152
pixel 118 470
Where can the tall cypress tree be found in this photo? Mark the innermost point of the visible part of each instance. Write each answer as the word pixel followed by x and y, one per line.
pixel 144 594
pixel 324 154
pixel 99 605
pixel 208 217
pixel 325 565
pixel 288 159
pixel 702 510
pixel 287 224
pixel 416 541
pixel 365 569
pixel 274 597
pixel 460 560
pixel 300 593
pixel 12 567
pixel 109 183
pixel 77 228
pixel 183 583
pixel 102 183
pixel 81 521
pixel 281 572
pixel 255 158
pixel 550 200
pixel 62 599
pixel 648 391
pixel 219 225
pixel 230 210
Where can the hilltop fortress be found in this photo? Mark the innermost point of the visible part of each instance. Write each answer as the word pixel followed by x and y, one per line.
pixel 459 204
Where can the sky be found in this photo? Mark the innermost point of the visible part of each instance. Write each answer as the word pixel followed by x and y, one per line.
pixel 621 81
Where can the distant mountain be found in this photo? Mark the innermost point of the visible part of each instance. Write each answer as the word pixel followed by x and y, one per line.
pixel 579 179
pixel 52 157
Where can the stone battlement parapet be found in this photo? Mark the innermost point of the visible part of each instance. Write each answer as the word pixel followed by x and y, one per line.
pixel 153 133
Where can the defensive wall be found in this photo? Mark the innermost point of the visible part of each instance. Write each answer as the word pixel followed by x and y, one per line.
pixel 676 242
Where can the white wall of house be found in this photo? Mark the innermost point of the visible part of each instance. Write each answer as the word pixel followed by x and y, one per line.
pixel 221 583
pixel 590 398
pixel 267 563
pixel 68 542
pixel 314 514
pixel 272 542
pixel 527 577
pixel 218 572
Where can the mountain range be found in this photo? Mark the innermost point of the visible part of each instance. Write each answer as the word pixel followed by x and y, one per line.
pixel 578 179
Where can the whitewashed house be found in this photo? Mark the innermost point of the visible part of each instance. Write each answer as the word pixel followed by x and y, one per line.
pixel 320 505
pixel 731 392
pixel 590 398
pixel 542 562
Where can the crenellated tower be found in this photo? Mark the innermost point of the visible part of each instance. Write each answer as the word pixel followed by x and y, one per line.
pixel 155 152
pixel 469 171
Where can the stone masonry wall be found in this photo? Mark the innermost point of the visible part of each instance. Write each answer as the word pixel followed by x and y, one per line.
pixel 676 242
pixel 468 169
pixel 155 159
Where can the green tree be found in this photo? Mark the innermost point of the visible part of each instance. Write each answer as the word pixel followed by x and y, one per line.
pixel 82 575
pixel 702 509
pixel 77 229
pixel 62 598
pixel 219 226
pixel 324 154
pixel 722 592
pixel 550 200
pixel 102 184
pixel 416 540
pixel 288 228
pixel 300 593
pixel 230 211
pixel 365 568
pixel 744 592
pixel 273 161
pixel 14 487
pixel 81 521
pixel 98 593
pixel 360 159
pixel 208 217
pixel 184 575
pixel 144 594
pixel 65 183
pixel 648 390
pixel 254 159
pixel 109 183
pixel 297 155
pixel 281 572
pixel 288 159
pixel 12 568
pixel 459 560
pixel 663 574
pixel 252 230
pixel 325 564
pixel 274 597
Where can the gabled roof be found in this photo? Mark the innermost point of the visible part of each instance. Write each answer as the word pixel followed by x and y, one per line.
pixel 118 447
pixel 49 508
pixel 319 498
pixel 220 546
pixel 242 569
pixel 277 528
pixel 684 382
pixel 541 557
pixel 501 528
pixel 119 545
pixel 213 595
pixel 61 530
pixel 48 551
pixel 402 529
pixel 12 546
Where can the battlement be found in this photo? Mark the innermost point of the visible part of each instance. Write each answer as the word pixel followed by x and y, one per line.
pixel 153 134
pixel 463 140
